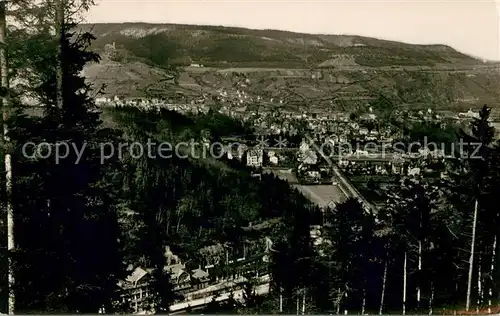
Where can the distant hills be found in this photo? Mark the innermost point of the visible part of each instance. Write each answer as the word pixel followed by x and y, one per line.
pixel 219 46
pixel 330 71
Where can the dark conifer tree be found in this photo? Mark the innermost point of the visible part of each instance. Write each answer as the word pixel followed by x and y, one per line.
pixel 67 225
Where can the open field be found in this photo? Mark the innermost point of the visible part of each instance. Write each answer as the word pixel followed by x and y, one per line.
pixel 321 194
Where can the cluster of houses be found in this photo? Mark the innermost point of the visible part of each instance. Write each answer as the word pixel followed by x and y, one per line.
pixel 195 285
pixel 252 156
pixel 469 114
pixel 195 106
pixel 256 157
pixel 235 98
pixel 192 284
pixel 136 288
pixel 337 127
pixel 312 168
pixel 334 128
pixel 425 161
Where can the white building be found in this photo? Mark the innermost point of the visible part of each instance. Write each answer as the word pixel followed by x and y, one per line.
pixel 254 157
pixel 414 172
pixel 469 114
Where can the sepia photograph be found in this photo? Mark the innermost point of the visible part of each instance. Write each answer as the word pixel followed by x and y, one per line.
pixel 237 157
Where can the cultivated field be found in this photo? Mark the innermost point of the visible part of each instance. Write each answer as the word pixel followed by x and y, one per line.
pixel 320 194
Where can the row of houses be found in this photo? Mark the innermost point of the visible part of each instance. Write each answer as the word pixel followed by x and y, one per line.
pixel 401 166
pixel 199 283
pixel 191 284
pixel 136 288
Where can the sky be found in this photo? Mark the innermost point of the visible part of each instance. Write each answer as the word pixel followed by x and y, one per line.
pixel 470 26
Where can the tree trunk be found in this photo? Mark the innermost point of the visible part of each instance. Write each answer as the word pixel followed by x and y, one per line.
pixel 345 310
pixel 304 302
pixel 60 30
pixel 471 258
pixel 281 300
pixel 479 284
pixel 179 218
pixel 297 302
pixel 338 302
pixel 167 230
pixel 404 284
pixel 384 282
pixel 419 271
pixel 8 158
pixel 431 298
pixel 363 303
pixel 492 270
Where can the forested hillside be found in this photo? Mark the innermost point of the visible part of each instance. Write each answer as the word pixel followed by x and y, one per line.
pixel 162 44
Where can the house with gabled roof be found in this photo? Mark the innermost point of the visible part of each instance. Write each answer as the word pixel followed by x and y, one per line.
pixel 136 288
pixel 179 277
pixel 199 278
